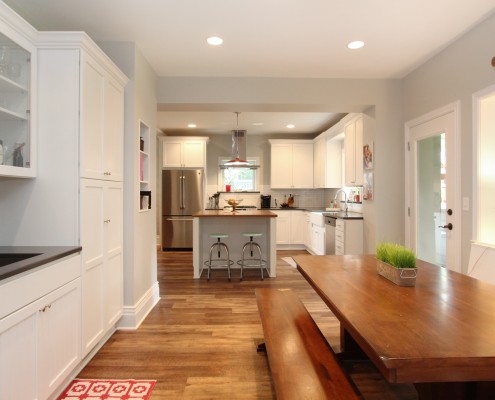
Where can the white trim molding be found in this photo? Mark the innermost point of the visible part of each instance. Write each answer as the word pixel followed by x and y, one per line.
pixel 133 316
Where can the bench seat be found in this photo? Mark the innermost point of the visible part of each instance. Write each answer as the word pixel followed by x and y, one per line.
pixel 302 363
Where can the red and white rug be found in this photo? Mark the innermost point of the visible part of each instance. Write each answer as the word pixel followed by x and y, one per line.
pixel 102 389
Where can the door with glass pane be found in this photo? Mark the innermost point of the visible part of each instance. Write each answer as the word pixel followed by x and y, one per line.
pixel 432 212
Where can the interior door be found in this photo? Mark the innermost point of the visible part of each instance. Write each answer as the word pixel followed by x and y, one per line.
pixel 433 217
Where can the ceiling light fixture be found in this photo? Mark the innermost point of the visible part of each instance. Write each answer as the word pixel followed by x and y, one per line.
pixel 357 44
pixel 291 126
pixel 214 40
pixel 191 125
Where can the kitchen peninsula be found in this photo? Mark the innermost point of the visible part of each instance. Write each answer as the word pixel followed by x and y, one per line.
pixel 234 223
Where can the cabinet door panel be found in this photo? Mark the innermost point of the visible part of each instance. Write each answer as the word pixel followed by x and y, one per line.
pixel 283 227
pixel 18 361
pixel 281 167
pixel 302 165
pixel 193 154
pixel 92 123
pixel 113 292
pixel 59 338
pixel 114 131
pixel 172 154
pixel 113 217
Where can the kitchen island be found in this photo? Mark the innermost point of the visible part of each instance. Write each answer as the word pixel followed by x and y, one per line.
pixel 234 223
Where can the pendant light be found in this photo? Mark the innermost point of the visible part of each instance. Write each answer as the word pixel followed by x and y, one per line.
pixel 236 161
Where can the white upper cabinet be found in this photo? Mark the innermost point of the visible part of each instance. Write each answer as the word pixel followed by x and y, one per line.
pixel 102 115
pixel 327 163
pixel 17 108
pixel 291 164
pixel 184 152
pixel 353 145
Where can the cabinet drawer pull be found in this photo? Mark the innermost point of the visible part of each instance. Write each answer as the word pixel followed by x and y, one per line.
pixel 107 221
pixel 45 308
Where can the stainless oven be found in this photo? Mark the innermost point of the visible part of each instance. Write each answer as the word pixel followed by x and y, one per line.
pixel 330 225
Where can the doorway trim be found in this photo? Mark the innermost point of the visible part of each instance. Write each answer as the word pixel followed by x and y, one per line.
pixel 409 201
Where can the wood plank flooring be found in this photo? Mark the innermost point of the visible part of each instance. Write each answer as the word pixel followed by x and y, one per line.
pixel 199 342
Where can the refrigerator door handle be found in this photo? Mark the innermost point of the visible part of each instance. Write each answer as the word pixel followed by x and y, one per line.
pixel 181 192
pixel 180 219
pixel 184 190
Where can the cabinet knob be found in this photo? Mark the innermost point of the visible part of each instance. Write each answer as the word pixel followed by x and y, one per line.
pixel 107 173
pixel 107 221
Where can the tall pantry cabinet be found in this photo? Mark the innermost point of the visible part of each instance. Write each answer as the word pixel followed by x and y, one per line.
pixel 82 96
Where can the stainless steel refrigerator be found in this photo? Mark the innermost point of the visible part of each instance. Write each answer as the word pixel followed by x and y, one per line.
pixel 182 196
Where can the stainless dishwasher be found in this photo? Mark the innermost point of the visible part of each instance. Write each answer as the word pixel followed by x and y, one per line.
pixel 330 224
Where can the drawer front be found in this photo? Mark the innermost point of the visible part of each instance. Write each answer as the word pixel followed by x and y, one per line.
pixel 38 282
pixel 340 225
pixel 339 248
pixel 339 236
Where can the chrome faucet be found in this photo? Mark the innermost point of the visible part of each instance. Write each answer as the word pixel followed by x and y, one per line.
pixel 345 198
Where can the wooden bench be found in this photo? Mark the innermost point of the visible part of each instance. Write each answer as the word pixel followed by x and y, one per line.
pixel 302 363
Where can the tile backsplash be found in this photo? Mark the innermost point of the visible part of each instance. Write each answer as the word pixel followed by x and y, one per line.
pixel 303 198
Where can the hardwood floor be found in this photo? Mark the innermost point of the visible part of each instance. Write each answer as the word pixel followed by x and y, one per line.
pixel 199 342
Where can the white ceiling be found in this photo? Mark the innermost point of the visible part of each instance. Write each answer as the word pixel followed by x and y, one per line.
pixel 267 38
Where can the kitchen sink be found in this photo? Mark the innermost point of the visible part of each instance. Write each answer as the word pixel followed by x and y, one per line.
pixel 10 258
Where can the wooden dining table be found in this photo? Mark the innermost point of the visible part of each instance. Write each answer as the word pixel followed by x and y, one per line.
pixel 438 335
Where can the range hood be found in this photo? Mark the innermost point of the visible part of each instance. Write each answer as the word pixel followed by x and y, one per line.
pixel 239 159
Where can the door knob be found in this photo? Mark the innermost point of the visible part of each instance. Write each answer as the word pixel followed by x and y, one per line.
pixel 449 226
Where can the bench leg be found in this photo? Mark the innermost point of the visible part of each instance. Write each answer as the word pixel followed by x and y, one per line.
pixel 261 348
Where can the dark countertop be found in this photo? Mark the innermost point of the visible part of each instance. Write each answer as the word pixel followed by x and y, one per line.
pixel 336 214
pixel 42 255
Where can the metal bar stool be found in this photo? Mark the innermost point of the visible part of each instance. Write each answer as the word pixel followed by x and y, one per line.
pixel 252 261
pixel 219 263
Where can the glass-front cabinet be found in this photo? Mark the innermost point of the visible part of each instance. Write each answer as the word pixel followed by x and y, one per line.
pixel 17 147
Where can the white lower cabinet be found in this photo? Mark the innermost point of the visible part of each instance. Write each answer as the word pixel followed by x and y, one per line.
pixel 349 236
pixel 102 267
pixel 291 227
pixel 318 239
pixel 40 342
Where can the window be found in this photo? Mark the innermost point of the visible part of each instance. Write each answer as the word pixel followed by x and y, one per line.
pixel 239 179
pixel 484 192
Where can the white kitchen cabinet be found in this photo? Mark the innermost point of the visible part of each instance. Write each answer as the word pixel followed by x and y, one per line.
pixel 349 236
pixel 81 100
pixel 317 232
pixel 40 340
pixel 102 122
pixel 18 65
pixel 291 228
pixel 307 229
pixel 291 164
pixel 353 145
pixel 183 152
pixel 102 274
pixel 327 163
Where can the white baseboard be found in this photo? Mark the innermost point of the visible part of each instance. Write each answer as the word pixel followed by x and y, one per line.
pixel 133 316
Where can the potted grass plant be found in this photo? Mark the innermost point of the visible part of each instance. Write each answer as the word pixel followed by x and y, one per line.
pixel 396 263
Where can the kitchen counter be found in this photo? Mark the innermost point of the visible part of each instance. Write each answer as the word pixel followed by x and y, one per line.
pixel 343 214
pixel 37 256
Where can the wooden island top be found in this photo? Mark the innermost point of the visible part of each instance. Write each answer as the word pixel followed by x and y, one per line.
pixel 239 213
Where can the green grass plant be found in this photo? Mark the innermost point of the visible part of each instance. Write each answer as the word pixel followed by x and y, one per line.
pixel 396 255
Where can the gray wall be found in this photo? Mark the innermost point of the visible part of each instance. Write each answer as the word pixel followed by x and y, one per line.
pixel 381 101
pixel 455 74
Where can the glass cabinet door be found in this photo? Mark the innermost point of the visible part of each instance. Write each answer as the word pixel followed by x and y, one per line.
pixel 15 138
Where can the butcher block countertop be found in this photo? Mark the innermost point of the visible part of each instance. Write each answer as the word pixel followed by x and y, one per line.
pixel 238 213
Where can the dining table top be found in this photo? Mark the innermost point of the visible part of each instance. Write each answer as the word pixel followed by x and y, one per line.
pixel 440 330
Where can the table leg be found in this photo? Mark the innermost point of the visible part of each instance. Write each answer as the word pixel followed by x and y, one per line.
pixel 350 350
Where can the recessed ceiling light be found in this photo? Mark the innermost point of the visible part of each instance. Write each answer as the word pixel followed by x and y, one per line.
pixel 191 125
pixel 215 40
pixel 258 123
pixel 357 44
pixel 290 126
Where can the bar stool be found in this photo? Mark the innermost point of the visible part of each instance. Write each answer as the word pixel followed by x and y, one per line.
pixel 252 261
pixel 219 263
